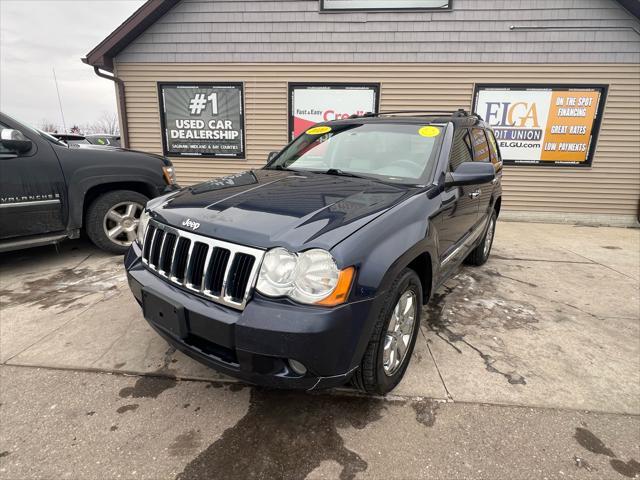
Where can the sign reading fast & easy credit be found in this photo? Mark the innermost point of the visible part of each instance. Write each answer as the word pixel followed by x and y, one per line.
pixel 316 103
pixel 541 124
pixel 202 119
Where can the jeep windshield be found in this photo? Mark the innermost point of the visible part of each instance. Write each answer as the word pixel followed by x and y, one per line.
pixel 390 152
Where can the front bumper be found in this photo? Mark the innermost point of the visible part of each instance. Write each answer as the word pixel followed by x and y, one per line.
pixel 256 343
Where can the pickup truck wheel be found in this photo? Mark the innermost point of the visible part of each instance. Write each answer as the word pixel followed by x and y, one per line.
pixel 480 254
pixel 112 219
pixel 394 336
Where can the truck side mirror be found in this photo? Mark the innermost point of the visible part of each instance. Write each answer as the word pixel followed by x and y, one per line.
pixel 470 173
pixel 272 155
pixel 14 140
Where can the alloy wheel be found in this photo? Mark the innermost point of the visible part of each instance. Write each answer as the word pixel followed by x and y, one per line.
pixel 489 237
pixel 399 332
pixel 121 222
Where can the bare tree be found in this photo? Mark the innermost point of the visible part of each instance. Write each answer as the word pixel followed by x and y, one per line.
pixel 106 123
pixel 47 126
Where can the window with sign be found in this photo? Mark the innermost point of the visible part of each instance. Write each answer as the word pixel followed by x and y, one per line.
pixel 337 5
pixel 480 147
pixel 202 119
pixel 493 147
pixel 546 125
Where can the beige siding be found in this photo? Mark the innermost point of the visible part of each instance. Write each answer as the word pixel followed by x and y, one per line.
pixel 610 187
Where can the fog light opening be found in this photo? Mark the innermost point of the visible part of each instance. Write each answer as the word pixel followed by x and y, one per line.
pixel 297 367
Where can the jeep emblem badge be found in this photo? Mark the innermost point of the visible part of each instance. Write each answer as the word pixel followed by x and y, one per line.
pixel 190 224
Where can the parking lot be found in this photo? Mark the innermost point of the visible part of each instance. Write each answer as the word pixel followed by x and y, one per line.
pixel 526 367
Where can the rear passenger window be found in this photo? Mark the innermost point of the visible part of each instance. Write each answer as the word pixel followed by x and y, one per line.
pixel 480 147
pixel 493 147
pixel 461 150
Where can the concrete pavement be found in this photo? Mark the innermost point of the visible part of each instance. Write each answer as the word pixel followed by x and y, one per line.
pixel 509 357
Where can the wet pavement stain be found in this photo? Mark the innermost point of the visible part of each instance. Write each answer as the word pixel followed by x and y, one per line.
pixel 113 428
pixel 611 247
pixel 629 469
pixel 589 441
pixel 287 435
pixel 425 412
pixel 128 408
pixel 453 306
pixel 150 386
pixel 472 299
pixel 91 413
pixel 65 288
pixel 185 444
pixel 4 454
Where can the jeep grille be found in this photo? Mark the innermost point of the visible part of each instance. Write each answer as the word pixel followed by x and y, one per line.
pixel 219 271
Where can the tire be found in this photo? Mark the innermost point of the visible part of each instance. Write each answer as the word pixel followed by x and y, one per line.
pixel 114 203
pixel 372 377
pixel 481 253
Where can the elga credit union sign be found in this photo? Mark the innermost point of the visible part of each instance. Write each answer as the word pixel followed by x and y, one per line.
pixel 202 119
pixel 311 103
pixel 541 124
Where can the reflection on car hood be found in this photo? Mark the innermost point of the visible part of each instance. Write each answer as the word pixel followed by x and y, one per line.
pixel 267 208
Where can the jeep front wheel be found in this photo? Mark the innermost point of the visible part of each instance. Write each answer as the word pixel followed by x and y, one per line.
pixel 394 336
pixel 112 219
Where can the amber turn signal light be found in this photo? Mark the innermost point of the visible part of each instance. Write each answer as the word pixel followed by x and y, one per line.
pixel 341 292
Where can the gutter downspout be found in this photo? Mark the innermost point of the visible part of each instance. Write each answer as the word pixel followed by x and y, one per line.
pixel 122 105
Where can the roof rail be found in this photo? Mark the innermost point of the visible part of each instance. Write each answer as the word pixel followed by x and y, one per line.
pixel 422 113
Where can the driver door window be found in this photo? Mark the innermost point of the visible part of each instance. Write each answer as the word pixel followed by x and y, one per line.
pixel 461 151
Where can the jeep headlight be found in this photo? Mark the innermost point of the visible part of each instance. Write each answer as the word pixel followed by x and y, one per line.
pixel 308 277
pixel 142 225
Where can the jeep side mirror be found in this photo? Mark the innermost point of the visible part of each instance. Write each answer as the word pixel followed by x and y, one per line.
pixel 14 140
pixel 470 173
pixel 272 155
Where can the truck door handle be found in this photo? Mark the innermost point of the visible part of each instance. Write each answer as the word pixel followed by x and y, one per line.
pixel 475 193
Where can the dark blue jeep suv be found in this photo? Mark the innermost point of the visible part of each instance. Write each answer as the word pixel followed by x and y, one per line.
pixel 314 269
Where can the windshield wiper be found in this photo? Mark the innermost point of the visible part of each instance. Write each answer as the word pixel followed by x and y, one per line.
pixel 342 173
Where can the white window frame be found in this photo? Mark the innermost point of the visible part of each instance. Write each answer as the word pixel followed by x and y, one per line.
pixel 386 5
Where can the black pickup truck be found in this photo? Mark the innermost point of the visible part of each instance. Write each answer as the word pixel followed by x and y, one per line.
pixel 50 191
pixel 313 270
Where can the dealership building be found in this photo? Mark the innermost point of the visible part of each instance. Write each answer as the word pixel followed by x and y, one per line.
pixel 217 85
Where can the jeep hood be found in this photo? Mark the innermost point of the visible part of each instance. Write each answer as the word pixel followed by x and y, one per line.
pixel 268 208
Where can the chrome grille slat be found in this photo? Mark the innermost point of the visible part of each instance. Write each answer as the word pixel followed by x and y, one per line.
pixel 153 241
pixel 225 278
pixel 205 270
pixel 160 255
pixel 167 257
pixel 180 256
pixel 219 256
pixel 188 266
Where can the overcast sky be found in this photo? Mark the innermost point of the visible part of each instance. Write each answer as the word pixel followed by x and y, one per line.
pixel 37 36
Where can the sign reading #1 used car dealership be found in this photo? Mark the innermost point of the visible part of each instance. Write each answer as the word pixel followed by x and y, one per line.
pixel 542 124
pixel 202 119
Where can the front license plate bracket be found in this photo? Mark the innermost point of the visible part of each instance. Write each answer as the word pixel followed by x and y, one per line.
pixel 165 314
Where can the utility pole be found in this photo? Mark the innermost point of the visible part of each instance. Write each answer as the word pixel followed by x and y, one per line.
pixel 55 79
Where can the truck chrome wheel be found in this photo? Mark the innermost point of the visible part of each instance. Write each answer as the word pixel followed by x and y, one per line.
pixel 399 332
pixel 121 222
pixel 489 237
